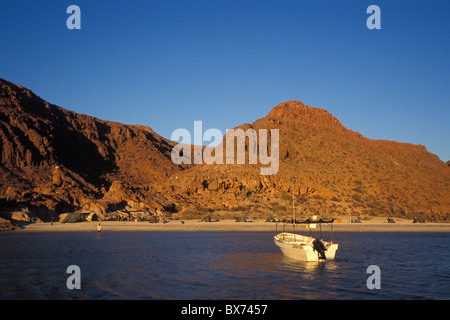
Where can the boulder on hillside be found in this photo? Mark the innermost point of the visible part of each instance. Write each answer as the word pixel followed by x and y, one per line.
pixel 7 225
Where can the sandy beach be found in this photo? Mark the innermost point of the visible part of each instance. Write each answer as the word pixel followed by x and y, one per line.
pixel 374 225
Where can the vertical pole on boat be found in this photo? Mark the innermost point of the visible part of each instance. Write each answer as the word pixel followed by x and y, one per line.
pixel 293 209
pixel 331 232
pixel 320 225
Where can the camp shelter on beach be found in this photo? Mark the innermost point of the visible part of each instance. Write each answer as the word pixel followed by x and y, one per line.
pixel 92 217
pixel 75 217
pixel 208 219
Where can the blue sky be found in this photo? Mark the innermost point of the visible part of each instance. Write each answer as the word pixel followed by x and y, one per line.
pixel 167 63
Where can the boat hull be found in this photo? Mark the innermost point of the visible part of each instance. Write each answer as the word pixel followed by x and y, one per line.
pixel 302 248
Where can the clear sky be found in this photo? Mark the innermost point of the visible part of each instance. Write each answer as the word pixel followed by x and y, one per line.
pixel 167 63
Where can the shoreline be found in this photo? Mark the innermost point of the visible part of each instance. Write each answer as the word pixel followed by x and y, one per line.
pixel 230 225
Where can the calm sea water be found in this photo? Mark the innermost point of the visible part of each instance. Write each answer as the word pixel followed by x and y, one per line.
pixel 219 265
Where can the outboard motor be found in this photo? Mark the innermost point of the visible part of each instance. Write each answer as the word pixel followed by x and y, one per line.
pixel 320 248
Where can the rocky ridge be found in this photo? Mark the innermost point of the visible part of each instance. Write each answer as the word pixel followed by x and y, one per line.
pixel 55 161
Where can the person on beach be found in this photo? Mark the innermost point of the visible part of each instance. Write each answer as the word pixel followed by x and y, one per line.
pixel 99 229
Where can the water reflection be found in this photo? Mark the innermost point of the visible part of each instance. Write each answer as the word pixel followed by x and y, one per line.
pixel 311 267
pixel 202 265
pixel 270 275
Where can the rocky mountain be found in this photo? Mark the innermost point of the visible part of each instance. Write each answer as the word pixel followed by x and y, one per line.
pixel 328 169
pixel 54 161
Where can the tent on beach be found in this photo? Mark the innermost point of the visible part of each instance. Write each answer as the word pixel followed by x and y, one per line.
pixel 92 217
pixel 75 217
pixel 206 219
pixel 153 219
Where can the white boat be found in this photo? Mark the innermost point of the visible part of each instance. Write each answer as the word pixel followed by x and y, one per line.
pixel 305 248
